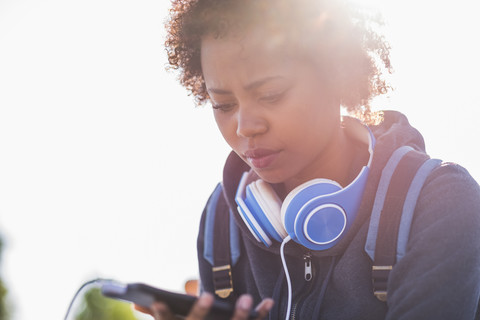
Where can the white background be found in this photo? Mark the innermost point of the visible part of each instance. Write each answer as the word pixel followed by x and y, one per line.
pixel 105 164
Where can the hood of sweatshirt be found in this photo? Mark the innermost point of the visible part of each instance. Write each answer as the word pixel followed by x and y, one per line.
pixel 391 133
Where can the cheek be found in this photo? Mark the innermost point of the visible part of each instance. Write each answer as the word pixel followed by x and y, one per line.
pixel 307 118
pixel 227 127
pixel 308 125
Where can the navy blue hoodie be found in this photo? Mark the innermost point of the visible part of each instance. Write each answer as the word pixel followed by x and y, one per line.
pixel 438 278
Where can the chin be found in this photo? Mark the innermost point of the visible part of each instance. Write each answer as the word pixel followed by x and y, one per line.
pixel 270 176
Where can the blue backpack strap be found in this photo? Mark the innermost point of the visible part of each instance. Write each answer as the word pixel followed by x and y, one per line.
pixel 222 245
pixel 400 184
pixel 380 197
pixel 410 203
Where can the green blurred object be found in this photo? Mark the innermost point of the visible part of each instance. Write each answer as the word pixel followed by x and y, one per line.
pixel 97 307
pixel 4 315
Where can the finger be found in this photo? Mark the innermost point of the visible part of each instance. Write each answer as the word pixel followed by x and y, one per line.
pixel 141 309
pixel 243 307
pixel 201 307
pixel 264 308
pixel 160 311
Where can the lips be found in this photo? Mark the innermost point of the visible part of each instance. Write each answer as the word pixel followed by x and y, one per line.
pixel 261 158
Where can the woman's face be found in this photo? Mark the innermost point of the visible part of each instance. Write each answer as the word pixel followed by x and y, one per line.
pixel 273 109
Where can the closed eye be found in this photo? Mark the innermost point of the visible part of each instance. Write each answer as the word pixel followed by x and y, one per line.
pixel 273 97
pixel 224 107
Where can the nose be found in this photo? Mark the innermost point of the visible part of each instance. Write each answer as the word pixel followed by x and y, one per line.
pixel 250 121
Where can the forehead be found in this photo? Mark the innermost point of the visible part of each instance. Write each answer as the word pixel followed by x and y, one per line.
pixel 246 54
pixel 254 42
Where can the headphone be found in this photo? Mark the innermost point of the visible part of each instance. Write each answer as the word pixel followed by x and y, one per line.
pixel 316 214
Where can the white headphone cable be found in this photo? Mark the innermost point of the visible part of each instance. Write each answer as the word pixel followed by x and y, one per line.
pixel 287 275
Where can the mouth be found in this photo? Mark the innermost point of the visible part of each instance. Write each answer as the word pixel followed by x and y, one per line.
pixel 261 158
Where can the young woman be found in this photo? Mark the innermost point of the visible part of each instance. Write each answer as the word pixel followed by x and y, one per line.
pixel 277 73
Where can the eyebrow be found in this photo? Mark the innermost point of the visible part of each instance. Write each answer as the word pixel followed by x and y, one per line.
pixel 249 87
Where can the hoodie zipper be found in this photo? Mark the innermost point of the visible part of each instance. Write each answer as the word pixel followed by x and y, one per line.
pixel 307 258
pixel 308 276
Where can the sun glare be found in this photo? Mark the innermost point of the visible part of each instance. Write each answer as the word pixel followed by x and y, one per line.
pixel 369 4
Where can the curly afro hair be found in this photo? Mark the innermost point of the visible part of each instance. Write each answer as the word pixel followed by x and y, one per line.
pixel 341 37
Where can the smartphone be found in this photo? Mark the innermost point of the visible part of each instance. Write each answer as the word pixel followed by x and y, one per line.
pixel 180 304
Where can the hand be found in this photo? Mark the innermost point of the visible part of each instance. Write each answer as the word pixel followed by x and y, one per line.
pixel 160 311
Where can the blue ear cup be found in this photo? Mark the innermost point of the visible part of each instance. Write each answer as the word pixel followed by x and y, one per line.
pixel 315 214
pixel 270 204
pixel 260 208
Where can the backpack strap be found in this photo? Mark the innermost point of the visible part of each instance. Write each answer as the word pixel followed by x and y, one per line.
pixel 400 184
pixel 222 244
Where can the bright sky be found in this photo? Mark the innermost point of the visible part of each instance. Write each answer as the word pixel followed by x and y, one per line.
pixel 105 165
